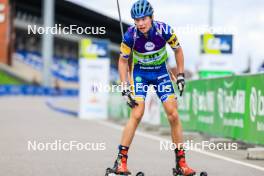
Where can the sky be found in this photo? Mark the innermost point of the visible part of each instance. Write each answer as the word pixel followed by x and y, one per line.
pixel 243 18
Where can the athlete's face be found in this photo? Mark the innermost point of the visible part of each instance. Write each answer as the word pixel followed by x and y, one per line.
pixel 143 24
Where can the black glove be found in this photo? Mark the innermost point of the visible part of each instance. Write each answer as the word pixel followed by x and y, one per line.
pixel 180 82
pixel 130 101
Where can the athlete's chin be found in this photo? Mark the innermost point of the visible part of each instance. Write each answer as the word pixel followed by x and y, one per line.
pixel 143 30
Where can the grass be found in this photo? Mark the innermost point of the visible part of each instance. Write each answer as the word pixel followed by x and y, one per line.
pixel 6 79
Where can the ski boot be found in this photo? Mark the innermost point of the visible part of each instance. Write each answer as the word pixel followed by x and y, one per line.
pixel 120 166
pixel 182 169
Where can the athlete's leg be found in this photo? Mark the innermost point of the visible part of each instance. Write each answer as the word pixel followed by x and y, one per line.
pixel 132 124
pixel 168 98
pixel 170 106
pixel 139 85
pixel 120 166
pixel 138 82
pixel 166 92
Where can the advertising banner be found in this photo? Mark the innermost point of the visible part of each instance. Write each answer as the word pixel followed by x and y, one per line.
pixel 229 107
pixel 217 55
pixel 216 44
pixel 93 49
pixel 94 75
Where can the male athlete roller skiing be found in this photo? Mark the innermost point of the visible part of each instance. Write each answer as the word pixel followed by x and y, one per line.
pixel 146 43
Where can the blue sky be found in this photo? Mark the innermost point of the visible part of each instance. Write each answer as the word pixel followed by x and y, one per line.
pixel 246 17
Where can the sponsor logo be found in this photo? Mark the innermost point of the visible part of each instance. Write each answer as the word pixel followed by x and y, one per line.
pixel 138 79
pixel 256 104
pixel 163 76
pixel 228 84
pixel 216 44
pixel 231 101
pixel 149 46
pixel 202 101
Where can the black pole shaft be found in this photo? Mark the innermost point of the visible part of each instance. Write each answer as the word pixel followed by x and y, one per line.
pixel 120 19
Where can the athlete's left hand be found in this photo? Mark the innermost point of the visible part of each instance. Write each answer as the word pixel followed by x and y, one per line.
pixel 180 82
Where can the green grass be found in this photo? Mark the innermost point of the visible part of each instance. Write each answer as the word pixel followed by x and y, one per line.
pixel 6 79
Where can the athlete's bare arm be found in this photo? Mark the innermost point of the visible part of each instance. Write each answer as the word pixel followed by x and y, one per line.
pixel 123 69
pixel 179 60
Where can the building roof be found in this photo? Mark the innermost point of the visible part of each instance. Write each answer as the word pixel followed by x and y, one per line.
pixel 68 13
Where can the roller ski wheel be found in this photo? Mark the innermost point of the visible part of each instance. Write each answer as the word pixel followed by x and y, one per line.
pixel 111 172
pixel 179 173
pixel 140 174
pixel 203 173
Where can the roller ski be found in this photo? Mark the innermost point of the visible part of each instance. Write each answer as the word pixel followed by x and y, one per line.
pixel 180 173
pixel 182 169
pixel 120 165
pixel 112 172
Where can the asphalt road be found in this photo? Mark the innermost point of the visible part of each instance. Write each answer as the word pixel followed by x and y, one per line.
pixel 28 120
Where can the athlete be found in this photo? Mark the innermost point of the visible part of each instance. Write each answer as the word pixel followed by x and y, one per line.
pixel 146 44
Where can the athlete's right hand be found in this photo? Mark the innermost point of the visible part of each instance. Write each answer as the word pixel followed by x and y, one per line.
pixel 130 101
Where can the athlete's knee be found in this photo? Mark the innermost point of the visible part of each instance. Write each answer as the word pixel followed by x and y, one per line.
pixel 137 114
pixel 171 110
pixel 173 116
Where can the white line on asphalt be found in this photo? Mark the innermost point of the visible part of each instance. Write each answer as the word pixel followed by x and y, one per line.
pixel 156 138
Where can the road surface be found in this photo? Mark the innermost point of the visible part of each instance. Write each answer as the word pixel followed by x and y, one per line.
pixel 25 120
